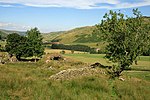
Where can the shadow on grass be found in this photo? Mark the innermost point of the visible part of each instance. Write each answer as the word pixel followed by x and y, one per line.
pixel 137 69
pixel 29 60
pixel 110 67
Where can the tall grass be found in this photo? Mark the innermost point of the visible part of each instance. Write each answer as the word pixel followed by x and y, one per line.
pixel 30 81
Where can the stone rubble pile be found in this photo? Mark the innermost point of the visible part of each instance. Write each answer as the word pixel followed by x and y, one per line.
pixel 75 73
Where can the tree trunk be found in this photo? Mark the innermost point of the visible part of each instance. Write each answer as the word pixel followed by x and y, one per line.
pixel 118 72
pixel 18 58
pixel 35 60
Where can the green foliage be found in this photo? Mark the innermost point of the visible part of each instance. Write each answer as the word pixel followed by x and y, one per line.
pixel 22 46
pixel 127 38
pixel 2 49
pixel 71 47
pixel 62 52
pixel 16 45
pixel 72 51
pixel 35 42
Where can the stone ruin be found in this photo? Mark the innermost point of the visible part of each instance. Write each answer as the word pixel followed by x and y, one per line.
pixel 4 58
pixel 75 73
pixel 56 57
pixel 13 59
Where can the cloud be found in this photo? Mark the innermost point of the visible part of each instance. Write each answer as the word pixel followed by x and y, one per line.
pixel 13 26
pixel 78 4
pixel 6 5
pixel 131 5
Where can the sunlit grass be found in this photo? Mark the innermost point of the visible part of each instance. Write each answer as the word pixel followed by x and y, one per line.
pixel 89 58
pixel 30 81
pixel 47 50
pixel 25 81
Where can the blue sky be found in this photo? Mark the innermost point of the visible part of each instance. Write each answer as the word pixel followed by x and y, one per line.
pixel 59 15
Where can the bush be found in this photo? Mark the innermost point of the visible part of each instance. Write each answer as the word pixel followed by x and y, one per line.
pixel 72 51
pixel 62 52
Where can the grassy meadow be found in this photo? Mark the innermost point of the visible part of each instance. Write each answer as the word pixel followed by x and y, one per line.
pixel 29 80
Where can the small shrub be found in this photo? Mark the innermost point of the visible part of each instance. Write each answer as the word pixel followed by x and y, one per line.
pixel 72 51
pixel 62 52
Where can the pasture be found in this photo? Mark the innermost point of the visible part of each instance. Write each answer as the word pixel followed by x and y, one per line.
pixel 28 80
pixel 143 61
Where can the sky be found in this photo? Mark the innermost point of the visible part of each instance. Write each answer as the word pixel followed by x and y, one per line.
pixel 60 15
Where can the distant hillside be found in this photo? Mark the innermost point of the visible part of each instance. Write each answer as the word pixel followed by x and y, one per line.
pixel 50 36
pixel 11 31
pixel 3 34
pixel 78 35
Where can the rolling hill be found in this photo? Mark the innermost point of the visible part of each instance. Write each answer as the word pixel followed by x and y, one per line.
pixel 3 34
pixel 78 35
pixel 12 31
pixel 48 37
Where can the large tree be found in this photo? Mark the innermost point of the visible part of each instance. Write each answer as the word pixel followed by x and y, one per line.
pixel 16 45
pixel 25 46
pixel 127 38
pixel 35 42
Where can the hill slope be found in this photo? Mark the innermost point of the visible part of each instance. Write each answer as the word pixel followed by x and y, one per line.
pixel 12 31
pixel 3 34
pixel 78 35
pixel 47 37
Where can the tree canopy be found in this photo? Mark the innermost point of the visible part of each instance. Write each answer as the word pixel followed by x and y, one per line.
pixel 127 38
pixel 16 45
pixel 35 42
pixel 25 46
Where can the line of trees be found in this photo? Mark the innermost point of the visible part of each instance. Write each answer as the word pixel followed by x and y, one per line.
pixel 71 47
pixel 25 46
pixel 82 48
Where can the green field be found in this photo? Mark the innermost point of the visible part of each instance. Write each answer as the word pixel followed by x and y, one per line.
pixel 93 58
pixel 89 58
pixel 27 80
